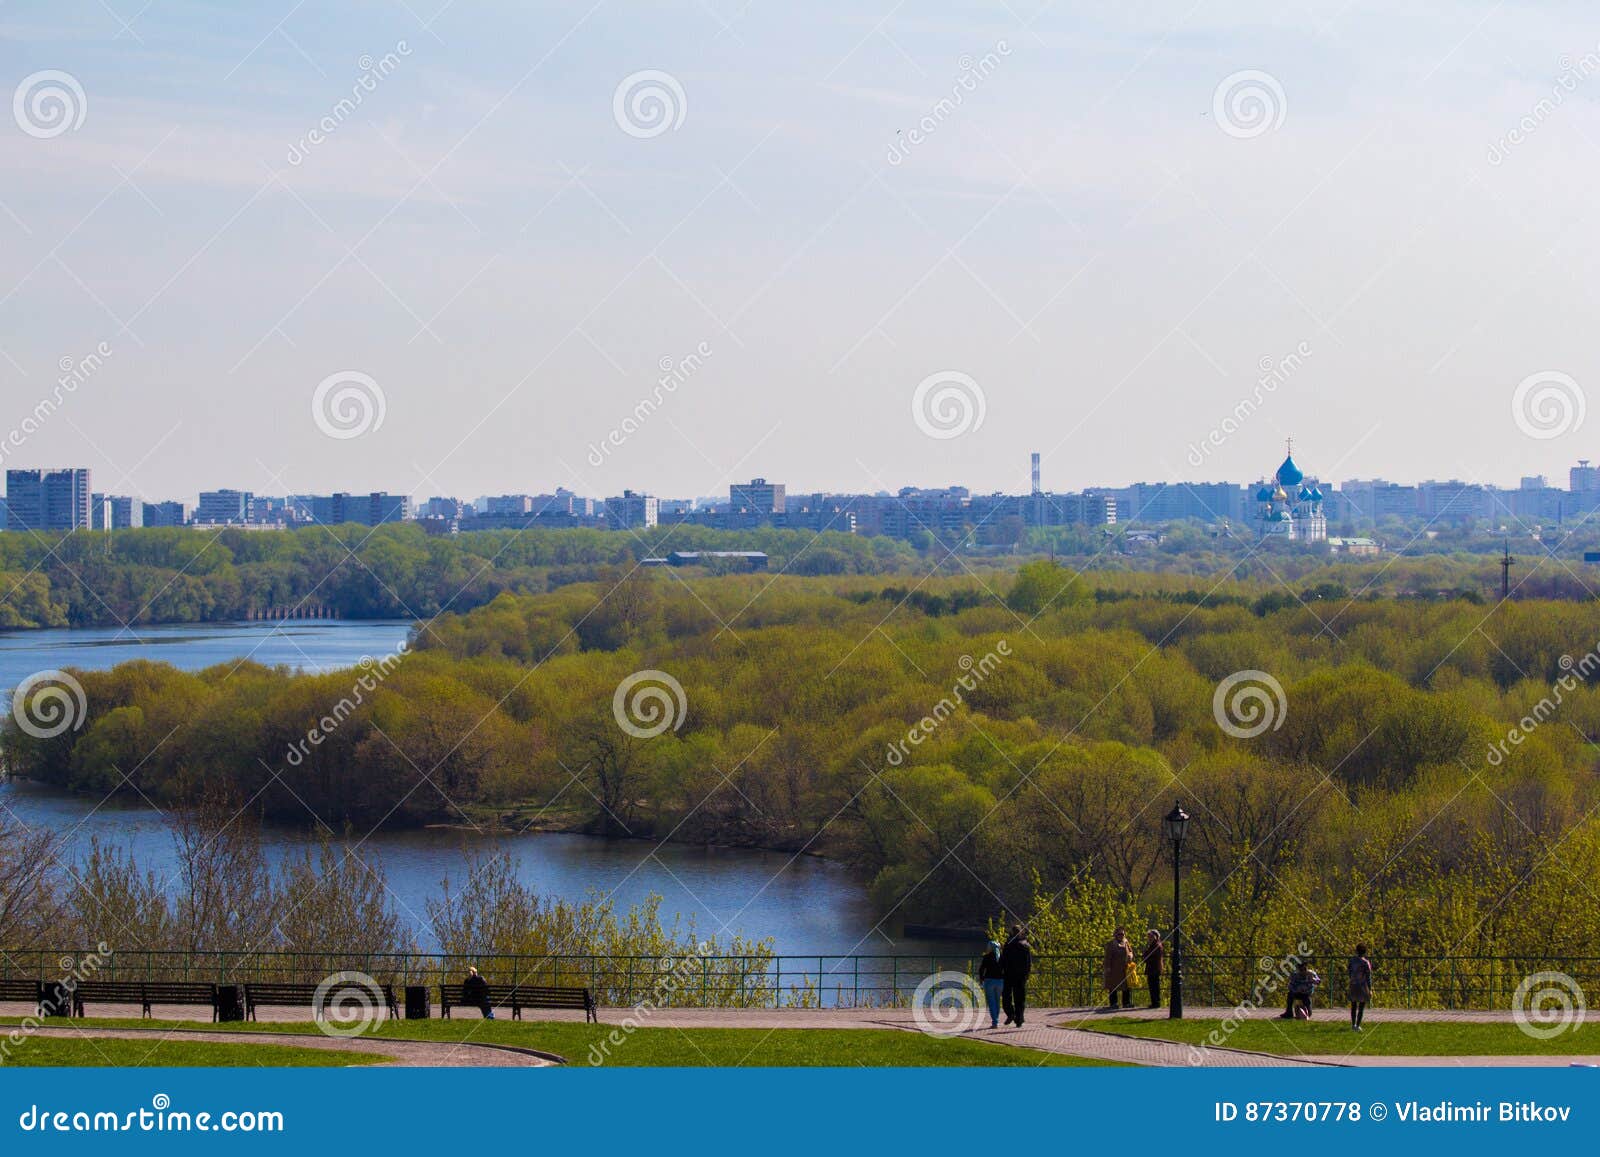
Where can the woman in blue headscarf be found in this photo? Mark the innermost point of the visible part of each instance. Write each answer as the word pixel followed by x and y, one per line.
pixel 993 980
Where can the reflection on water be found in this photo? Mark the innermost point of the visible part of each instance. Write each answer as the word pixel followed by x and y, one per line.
pixel 807 905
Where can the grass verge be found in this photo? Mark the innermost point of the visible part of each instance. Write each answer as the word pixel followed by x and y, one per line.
pixel 1332 1036
pixel 89 1052
pixel 584 1045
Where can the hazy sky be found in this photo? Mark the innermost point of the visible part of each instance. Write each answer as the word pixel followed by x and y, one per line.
pixel 1104 244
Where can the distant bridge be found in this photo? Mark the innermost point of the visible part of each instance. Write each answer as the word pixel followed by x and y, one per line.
pixel 298 611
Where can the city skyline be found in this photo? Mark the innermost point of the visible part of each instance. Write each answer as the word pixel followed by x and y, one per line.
pixel 1077 212
pixel 1284 502
pixel 709 493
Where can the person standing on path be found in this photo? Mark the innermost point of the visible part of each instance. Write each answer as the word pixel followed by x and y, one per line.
pixel 993 979
pixel 1118 960
pixel 1154 954
pixel 1016 961
pixel 1360 986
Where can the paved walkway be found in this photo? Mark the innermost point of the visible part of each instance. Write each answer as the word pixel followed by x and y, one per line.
pixel 403 1053
pixel 1056 1030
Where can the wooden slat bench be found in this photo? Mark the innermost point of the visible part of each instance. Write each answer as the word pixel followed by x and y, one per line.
pixel 144 993
pixel 304 996
pixel 517 997
pixel 20 991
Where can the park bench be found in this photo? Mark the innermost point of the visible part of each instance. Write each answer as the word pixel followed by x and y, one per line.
pixel 144 993
pixel 21 991
pixel 517 997
pixel 305 995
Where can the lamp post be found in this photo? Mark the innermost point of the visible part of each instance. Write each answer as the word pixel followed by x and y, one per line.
pixel 1173 827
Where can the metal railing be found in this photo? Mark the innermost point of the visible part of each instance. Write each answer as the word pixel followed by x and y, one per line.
pixel 821 981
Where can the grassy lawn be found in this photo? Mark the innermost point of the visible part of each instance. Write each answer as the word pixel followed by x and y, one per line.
pixel 669 1046
pixel 732 1046
pixel 1331 1036
pixel 55 1052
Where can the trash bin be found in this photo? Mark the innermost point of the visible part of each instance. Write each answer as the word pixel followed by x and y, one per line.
pixel 418 1006
pixel 229 1004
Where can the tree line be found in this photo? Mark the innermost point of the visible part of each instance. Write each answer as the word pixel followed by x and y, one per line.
pixel 194 575
pixel 1053 728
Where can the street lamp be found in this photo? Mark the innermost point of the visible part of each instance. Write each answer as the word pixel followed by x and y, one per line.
pixel 1173 827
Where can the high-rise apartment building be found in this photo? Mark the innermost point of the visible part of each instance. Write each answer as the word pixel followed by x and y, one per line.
pixel 48 499
pixel 631 511
pixel 224 507
pixel 164 513
pixel 758 495
pixel 115 512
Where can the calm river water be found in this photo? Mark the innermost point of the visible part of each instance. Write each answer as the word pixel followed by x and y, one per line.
pixel 806 905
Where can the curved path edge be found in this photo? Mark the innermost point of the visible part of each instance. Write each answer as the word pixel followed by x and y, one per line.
pixel 405 1052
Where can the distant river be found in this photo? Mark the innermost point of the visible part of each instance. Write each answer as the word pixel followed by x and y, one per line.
pixel 808 905
pixel 308 645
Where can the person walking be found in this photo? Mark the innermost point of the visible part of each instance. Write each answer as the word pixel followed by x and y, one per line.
pixel 1154 954
pixel 993 979
pixel 475 991
pixel 1360 986
pixel 1118 960
pixel 1016 962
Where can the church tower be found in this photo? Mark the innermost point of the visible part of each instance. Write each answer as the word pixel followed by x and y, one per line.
pixel 1290 507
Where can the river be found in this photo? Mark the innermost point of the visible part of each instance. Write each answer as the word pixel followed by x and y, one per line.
pixel 806 905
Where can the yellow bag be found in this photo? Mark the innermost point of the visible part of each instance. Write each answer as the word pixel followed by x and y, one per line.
pixel 1133 974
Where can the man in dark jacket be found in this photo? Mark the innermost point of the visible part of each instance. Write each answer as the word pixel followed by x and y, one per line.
pixel 1155 953
pixel 475 991
pixel 1016 961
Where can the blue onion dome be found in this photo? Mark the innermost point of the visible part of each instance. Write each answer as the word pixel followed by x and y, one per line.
pixel 1316 494
pixel 1305 494
pixel 1264 494
pixel 1289 474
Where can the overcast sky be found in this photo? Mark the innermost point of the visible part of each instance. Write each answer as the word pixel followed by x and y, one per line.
pixel 833 202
